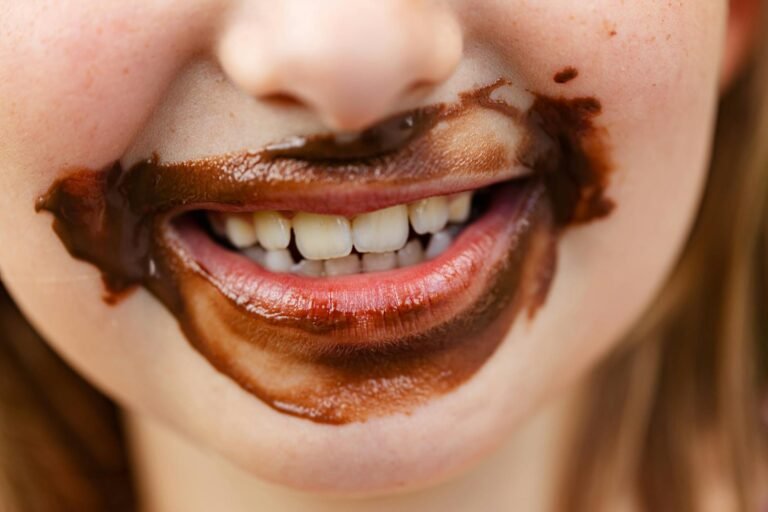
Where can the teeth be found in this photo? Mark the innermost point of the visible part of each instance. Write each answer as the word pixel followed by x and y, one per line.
pixel 378 262
pixel 325 241
pixel 278 261
pixel 428 215
pixel 321 237
pixel 273 229
pixel 256 254
pixel 381 231
pixel 342 266
pixel 438 243
pixel 411 254
pixel 312 268
pixel 459 207
pixel 239 230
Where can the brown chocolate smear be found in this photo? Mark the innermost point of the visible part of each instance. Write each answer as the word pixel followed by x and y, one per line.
pixel 578 174
pixel 355 383
pixel 118 220
pixel 566 75
pixel 383 138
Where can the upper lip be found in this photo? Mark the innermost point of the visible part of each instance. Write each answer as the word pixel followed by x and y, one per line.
pixel 448 156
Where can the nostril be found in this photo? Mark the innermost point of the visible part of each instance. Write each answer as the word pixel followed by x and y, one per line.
pixel 282 99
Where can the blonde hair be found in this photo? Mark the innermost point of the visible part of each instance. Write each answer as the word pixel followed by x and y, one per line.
pixel 676 414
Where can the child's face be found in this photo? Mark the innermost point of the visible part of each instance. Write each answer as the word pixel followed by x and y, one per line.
pixel 88 84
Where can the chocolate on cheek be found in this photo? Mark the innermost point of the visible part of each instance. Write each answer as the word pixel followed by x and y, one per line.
pixel 116 219
pixel 565 75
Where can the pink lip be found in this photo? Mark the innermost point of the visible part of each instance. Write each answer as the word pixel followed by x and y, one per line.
pixel 369 309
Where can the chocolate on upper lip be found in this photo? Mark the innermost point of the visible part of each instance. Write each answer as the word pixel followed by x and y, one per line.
pixel 354 350
pixel 435 151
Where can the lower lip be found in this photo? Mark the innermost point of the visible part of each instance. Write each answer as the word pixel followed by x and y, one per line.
pixel 367 310
pixel 368 344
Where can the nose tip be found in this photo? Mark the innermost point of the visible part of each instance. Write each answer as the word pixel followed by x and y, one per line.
pixel 352 63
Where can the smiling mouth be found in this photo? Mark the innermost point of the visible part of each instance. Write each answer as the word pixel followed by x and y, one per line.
pixel 340 278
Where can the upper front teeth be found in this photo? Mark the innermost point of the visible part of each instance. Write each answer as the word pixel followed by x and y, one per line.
pixel 429 215
pixel 381 231
pixel 459 207
pixel 322 237
pixel 273 229
pixel 240 231
pixel 381 236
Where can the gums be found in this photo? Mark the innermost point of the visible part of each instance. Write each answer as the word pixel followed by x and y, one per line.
pixel 119 220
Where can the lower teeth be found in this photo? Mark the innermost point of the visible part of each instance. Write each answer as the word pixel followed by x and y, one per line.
pixel 282 261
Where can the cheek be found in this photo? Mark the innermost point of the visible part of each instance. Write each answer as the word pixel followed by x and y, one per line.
pixel 86 75
pixel 653 66
pixel 645 61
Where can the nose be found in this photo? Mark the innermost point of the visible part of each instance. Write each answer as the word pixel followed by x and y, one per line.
pixel 353 62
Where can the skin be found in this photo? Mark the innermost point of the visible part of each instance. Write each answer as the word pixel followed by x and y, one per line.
pixel 95 82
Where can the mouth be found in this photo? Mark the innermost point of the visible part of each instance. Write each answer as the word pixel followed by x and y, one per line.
pixel 343 277
pixel 327 245
pixel 370 282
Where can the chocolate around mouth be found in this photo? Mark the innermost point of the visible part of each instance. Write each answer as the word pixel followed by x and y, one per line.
pixel 119 220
